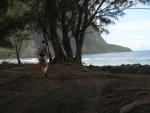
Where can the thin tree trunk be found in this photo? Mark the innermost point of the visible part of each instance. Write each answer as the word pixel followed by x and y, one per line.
pixel 59 55
pixel 79 48
pixel 51 10
pixel 66 39
pixel 17 51
pixel 82 31
pixel 49 53
pixel 77 37
pixel 18 59
pixel 45 35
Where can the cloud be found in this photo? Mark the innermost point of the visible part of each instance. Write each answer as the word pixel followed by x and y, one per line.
pixel 133 41
pixel 137 45
pixel 133 26
pixel 135 34
pixel 132 30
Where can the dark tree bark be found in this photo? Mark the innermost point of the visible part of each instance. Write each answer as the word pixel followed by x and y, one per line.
pixel 17 49
pixel 3 7
pixel 76 16
pixel 66 39
pixel 18 59
pixel 83 14
pixel 77 36
pixel 84 25
pixel 59 55
pixel 46 36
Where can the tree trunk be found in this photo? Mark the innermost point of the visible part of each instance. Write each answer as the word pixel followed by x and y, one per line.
pixel 80 33
pixel 45 35
pixel 49 53
pixel 17 48
pixel 78 58
pixel 18 58
pixel 77 37
pixel 66 39
pixel 59 55
pixel 51 10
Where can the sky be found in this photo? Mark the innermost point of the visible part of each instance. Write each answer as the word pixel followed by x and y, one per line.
pixel 132 30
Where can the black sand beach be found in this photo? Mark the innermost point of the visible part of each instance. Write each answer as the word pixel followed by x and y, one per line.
pixel 70 88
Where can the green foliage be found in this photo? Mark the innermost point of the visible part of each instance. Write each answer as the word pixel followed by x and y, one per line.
pixel 6 49
pixel 18 39
pixel 19 36
pixel 16 18
pixel 3 7
pixel 17 9
pixel 7 52
pixel 5 62
pixel 70 17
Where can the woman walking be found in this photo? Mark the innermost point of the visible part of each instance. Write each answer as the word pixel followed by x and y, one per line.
pixel 43 57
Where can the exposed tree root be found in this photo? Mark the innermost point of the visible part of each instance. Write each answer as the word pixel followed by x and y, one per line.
pixel 131 106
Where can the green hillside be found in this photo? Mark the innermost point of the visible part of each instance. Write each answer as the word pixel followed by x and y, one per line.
pixel 94 43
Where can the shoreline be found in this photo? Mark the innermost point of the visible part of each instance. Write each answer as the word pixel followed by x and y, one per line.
pixel 124 68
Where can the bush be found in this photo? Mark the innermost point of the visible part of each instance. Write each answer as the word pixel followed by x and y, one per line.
pixel 5 62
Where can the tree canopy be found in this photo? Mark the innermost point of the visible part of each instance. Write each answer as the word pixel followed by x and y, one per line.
pixel 62 20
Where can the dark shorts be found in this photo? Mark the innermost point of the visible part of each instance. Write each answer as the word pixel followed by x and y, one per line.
pixel 43 60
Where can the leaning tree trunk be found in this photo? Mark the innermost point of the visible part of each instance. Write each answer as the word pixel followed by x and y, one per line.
pixel 79 47
pixel 46 35
pixel 59 55
pixel 45 38
pixel 77 37
pixel 17 49
pixel 66 39
pixel 82 24
pixel 18 59
pixel 18 55
pixel 51 11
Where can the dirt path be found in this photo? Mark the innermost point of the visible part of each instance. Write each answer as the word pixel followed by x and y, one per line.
pixel 67 89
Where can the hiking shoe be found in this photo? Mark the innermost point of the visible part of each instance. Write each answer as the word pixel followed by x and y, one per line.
pixel 44 74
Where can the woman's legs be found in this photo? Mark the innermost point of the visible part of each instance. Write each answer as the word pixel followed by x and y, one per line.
pixel 45 68
pixel 44 65
pixel 42 68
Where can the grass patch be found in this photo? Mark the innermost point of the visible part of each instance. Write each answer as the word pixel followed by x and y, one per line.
pixel 5 62
pixel 7 52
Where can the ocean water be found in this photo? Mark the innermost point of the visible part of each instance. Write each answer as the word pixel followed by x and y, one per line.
pixel 142 57
pixel 25 60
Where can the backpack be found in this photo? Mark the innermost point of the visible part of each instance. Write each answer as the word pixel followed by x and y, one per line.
pixel 43 50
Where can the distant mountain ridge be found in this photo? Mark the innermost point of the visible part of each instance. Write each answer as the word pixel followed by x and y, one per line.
pixel 94 43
